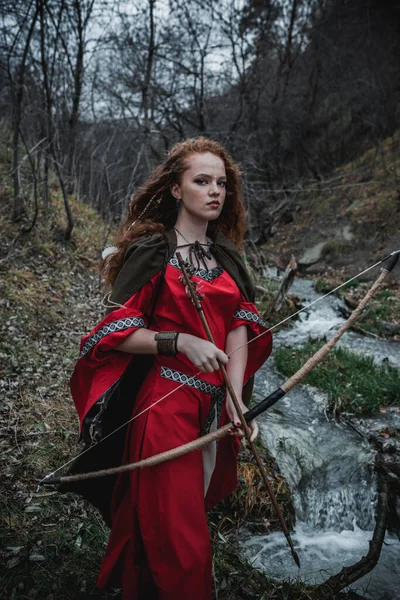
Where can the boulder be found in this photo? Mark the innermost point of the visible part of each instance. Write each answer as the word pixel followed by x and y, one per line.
pixel 312 255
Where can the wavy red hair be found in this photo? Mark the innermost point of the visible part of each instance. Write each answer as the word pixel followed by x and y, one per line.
pixel 162 212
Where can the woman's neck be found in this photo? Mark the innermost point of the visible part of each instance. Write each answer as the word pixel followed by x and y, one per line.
pixel 192 231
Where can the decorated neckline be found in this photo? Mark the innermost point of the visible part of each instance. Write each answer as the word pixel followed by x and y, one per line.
pixel 207 275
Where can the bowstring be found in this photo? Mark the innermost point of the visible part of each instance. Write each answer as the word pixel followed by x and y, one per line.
pixel 229 354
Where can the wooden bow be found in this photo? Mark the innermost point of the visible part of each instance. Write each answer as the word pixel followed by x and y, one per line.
pixel 261 407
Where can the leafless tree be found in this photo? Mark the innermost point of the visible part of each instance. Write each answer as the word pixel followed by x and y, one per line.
pixel 291 87
pixel 17 57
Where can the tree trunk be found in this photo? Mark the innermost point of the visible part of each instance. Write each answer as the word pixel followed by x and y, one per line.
pixel 146 83
pixel 17 93
pixel 48 101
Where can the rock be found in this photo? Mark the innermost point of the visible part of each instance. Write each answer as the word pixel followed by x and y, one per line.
pixel 344 311
pixel 351 302
pixel 316 269
pixel 390 328
pixel 343 233
pixel 311 255
pixel 347 234
pixel 392 244
pixel 354 206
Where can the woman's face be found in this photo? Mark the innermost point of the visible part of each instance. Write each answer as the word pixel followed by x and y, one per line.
pixel 202 189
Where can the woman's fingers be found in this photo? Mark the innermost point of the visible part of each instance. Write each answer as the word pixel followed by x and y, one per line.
pixel 213 361
pixel 232 414
pixel 210 365
pixel 238 431
pixel 207 367
pixel 215 364
pixel 206 356
pixel 224 358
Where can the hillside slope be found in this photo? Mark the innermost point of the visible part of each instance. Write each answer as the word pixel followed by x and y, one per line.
pixel 347 222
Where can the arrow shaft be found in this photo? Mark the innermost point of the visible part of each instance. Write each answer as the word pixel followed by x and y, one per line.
pixel 239 411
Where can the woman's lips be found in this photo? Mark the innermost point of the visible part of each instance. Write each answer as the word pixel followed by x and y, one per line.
pixel 213 204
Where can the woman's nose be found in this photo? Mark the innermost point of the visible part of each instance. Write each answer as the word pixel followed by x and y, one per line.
pixel 214 189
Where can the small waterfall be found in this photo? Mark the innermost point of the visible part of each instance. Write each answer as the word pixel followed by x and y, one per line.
pixel 328 467
pixel 337 509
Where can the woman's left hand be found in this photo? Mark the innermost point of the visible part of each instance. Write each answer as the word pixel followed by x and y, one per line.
pixel 232 414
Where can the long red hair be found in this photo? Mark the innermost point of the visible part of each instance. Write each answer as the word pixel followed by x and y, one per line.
pixel 162 211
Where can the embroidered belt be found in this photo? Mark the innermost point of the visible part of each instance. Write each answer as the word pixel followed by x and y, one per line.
pixel 217 393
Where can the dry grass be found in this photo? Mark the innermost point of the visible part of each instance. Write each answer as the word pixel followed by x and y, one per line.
pixel 49 298
pixel 251 504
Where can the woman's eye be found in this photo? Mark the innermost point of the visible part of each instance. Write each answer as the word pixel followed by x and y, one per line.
pixel 202 181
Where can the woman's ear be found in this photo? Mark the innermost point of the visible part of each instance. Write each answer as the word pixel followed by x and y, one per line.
pixel 175 191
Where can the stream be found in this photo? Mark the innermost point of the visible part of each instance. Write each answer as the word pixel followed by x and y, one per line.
pixel 327 465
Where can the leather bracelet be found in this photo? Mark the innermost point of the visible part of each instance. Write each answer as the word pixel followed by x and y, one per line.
pixel 167 342
pixel 176 343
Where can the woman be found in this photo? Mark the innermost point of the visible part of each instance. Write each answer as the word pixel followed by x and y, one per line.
pixel 159 545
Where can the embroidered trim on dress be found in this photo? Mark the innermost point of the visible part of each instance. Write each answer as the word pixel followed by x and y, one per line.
pixel 217 393
pixel 119 325
pixel 202 273
pixel 216 403
pixel 248 315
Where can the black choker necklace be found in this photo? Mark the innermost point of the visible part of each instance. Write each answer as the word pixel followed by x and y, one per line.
pixel 197 250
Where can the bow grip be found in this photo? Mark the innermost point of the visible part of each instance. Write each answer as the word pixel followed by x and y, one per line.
pixel 392 262
pixel 264 405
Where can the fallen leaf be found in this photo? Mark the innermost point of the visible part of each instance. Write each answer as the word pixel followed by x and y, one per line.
pixel 37 557
pixel 13 562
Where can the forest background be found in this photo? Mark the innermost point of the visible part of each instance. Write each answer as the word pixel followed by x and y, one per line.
pixel 98 90
pixel 305 94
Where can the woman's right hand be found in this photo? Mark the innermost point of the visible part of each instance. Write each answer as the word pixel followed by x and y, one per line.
pixel 203 354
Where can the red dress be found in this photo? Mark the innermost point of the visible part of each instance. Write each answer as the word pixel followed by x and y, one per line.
pixel 159 545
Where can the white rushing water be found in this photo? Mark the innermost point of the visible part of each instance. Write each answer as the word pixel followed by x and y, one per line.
pixel 328 467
